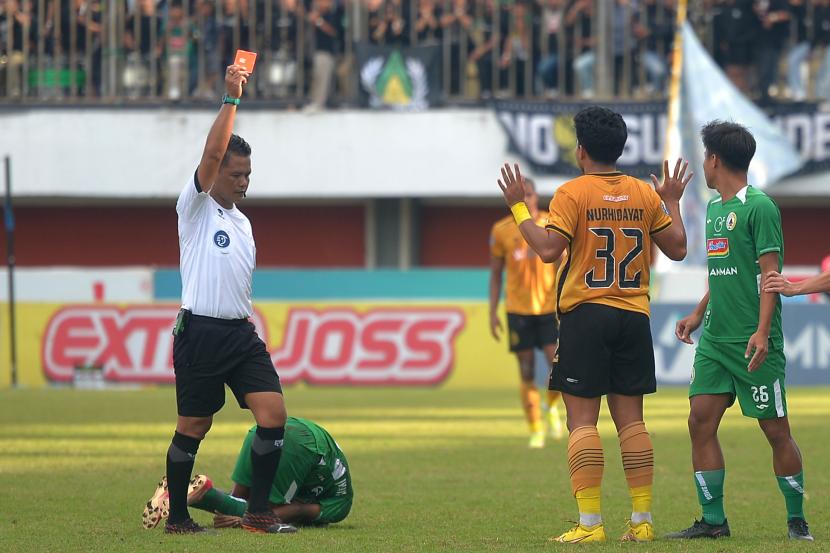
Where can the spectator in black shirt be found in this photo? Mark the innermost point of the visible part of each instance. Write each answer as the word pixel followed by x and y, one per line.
pixel 774 16
pixel 457 25
pixel 658 35
pixel 428 22
pixel 388 23
pixel 234 29
pixel 143 41
pixel 800 52
pixel 736 27
pixel 493 24
pixel 326 20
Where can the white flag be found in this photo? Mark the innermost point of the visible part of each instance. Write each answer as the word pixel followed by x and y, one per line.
pixel 705 93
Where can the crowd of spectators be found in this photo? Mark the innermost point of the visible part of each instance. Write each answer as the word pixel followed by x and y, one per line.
pixel 774 48
pixel 177 49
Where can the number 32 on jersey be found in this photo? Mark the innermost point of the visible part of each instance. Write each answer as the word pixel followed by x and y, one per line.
pixel 622 246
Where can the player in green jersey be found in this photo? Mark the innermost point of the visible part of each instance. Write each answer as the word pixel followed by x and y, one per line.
pixel 741 351
pixel 313 484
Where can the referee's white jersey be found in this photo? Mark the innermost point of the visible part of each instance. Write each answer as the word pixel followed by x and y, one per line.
pixel 217 255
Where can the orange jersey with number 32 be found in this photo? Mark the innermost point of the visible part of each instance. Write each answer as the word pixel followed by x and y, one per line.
pixel 608 219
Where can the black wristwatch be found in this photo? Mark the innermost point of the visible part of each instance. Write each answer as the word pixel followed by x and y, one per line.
pixel 229 100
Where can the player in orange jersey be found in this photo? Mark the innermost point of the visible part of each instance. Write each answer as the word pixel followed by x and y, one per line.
pixel 530 301
pixel 607 221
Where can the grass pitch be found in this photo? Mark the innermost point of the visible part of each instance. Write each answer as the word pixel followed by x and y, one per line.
pixel 434 470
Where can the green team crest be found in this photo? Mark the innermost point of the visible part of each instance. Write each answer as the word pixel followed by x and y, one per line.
pixel 395 82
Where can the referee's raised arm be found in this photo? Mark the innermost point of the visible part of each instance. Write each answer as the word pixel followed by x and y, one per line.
pixel 222 129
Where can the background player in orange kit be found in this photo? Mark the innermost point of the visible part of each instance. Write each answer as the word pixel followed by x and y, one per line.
pixel 530 301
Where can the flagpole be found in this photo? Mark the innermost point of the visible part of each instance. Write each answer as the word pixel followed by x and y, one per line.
pixel 9 221
pixel 676 81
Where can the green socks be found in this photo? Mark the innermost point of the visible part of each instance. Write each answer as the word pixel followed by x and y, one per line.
pixel 709 484
pixel 793 489
pixel 219 501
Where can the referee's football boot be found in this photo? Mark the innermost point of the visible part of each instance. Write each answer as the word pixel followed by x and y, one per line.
pixel 265 523
pixel 187 526
pixel 797 530
pixel 702 529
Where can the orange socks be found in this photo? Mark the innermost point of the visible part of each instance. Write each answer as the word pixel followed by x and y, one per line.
pixel 585 458
pixel 531 400
pixel 586 464
pixel 638 463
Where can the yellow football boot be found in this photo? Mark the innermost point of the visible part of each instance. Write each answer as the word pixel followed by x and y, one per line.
pixel 537 440
pixel 582 534
pixel 555 426
pixel 643 531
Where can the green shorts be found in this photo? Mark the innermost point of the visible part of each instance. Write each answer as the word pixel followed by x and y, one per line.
pixel 721 368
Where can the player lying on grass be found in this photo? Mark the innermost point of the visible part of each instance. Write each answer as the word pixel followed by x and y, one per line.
pixel 312 486
pixel 741 352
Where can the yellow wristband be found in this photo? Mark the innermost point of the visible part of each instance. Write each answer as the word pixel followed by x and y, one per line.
pixel 520 212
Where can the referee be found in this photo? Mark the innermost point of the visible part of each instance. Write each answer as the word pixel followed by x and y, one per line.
pixel 214 343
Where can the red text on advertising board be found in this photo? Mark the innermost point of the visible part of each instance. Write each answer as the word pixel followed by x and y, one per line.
pixel 384 346
pixel 131 344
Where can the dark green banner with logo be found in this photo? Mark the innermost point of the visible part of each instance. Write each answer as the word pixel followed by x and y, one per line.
pixel 406 79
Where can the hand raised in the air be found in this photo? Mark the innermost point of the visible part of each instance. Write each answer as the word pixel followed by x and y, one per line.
pixel 512 186
pixel 235 78
pixel 671 190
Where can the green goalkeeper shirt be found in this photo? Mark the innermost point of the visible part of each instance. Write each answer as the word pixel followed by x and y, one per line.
pixel 738 232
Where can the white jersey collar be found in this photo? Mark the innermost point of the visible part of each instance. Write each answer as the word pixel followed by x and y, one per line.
pixel 741 195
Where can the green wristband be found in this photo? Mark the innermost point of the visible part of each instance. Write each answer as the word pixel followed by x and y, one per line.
pixel 229 100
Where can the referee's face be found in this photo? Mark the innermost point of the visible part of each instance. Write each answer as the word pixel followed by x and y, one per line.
pixel 233 179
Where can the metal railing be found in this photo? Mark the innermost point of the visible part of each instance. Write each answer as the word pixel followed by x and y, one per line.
pixel 106 51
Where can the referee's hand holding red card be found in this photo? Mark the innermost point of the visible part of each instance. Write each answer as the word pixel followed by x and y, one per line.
pixel 235 78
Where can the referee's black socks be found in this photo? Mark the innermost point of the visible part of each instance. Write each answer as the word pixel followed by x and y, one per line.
pixel 180 458
pixel 265 457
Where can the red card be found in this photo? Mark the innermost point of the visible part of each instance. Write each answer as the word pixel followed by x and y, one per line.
pixel 245 60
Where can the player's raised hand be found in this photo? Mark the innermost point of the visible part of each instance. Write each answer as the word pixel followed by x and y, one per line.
pixel 775 283
pixel 512 185
pixel 759 344
pixel 235 78
pixel 673 185
pixel 685 327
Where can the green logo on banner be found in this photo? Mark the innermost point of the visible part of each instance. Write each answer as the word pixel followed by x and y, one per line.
pixel 395 81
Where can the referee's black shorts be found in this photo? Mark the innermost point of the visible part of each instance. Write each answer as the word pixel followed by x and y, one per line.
pixel 604 350
pixel 210 353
